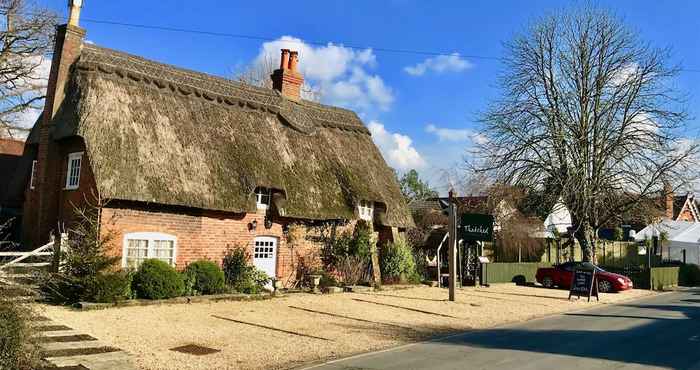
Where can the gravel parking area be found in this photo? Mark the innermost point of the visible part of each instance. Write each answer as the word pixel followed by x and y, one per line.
pixel 301 328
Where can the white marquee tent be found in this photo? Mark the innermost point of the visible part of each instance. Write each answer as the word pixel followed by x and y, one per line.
pixel 682 243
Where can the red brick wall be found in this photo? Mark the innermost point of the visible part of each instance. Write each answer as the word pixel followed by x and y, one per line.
pixel 60 203
pixel 68 43
pixel 11 147
pixel 208 235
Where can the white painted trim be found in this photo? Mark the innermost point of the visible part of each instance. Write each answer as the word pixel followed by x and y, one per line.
pixel 150 236
pixel 365 210
pixel 32 178
pixel 258 196
pixel 71 157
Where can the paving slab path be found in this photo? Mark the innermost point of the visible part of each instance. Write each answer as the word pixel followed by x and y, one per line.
pixel 64 348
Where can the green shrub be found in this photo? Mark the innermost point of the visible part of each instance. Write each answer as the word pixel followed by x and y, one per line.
pixel 235 264
pixel 361 243
pixel 689 275
pixel 189 280
pixel 241 276
pixel 108 287
pixel 208 277
pixel 357 243
pixel 397 262
pixel 60 288
pixel 252 281
pixel 156 279
pixel 18 350
pixel 327 280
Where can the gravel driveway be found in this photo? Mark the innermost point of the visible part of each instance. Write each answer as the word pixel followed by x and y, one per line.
pixel 301 328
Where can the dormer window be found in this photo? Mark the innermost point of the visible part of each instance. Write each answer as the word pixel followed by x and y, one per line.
pixel 262 198
pixel 365 209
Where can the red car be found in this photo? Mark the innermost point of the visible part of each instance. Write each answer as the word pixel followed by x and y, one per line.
pixel 561 276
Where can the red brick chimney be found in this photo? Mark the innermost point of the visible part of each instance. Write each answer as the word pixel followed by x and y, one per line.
pixel 669 197
pixel 287 78
pixel 68 44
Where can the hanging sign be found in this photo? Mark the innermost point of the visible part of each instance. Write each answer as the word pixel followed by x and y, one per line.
pixel 584 283
pixel 476 227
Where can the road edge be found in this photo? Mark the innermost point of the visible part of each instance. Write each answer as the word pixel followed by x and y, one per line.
pixel 319 363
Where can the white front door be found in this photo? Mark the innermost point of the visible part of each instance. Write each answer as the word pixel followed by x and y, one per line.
pixel 265 255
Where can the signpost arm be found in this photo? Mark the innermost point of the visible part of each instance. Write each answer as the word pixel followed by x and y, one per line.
pixel 453 244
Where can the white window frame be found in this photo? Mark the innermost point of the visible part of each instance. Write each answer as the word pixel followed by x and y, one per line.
pixel 33 175
pixel 71 158
pixel 151 237
pixel 365 210
pixel 261 192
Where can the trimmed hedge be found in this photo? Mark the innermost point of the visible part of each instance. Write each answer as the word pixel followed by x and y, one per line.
pixel 156 279
pixel 512 272
pixel 689 275
pixel 108 287
pixel 207 277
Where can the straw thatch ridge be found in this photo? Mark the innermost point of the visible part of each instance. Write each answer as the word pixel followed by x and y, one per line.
pixel 157 133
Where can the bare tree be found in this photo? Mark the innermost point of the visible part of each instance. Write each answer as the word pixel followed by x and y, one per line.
pixel 588 112
pixel 258 73
pixel 25 42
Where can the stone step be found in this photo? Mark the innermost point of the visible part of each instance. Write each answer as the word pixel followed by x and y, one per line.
pixel 76 345
pixel 60 333
pixel 79 350
pixel 101 361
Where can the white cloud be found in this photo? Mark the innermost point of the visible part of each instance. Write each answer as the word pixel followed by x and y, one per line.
pixel 450 134
pixel 341 75
pixel 440 64
pixel 398 149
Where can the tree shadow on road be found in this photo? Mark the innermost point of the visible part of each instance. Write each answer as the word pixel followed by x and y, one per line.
pixel 662 339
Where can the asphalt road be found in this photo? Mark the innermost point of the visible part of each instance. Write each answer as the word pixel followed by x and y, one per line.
pixel 652 333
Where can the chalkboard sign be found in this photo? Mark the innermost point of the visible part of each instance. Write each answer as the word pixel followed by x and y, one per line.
pixel 584 283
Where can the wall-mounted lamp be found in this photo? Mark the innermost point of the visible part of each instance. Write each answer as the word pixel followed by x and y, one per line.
pixel 285 229
pixel 268 222
pixel 253 225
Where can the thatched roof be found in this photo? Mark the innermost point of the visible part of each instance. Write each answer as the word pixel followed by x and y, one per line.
pixel 157 133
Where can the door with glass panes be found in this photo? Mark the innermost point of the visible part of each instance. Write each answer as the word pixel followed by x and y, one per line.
pixel 265 255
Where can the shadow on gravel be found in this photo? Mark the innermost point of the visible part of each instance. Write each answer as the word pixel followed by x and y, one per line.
pixel 663 339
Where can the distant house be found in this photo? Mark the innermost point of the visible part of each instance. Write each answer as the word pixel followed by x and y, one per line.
pixel 193 164
pixel 11 151
pixel 11 159
pixel 680 226
pixel 682 208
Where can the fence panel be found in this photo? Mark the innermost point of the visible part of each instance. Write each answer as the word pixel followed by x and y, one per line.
pixel 512 272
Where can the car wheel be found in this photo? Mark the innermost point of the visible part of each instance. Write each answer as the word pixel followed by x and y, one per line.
pixel 547 282
pixel 604 286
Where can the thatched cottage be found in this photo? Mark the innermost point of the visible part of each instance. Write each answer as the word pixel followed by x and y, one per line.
pixel 191 164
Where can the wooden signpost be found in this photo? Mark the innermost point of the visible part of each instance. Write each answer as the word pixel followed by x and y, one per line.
pixel 584 283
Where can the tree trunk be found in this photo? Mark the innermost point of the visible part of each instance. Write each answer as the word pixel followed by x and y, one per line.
pixel 585 236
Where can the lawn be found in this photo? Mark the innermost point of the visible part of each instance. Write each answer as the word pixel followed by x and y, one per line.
pixel 303 328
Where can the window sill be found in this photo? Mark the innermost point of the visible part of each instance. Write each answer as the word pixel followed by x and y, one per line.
pixel 71 188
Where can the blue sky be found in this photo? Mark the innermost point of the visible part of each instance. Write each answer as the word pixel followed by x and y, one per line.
pixel 423 120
